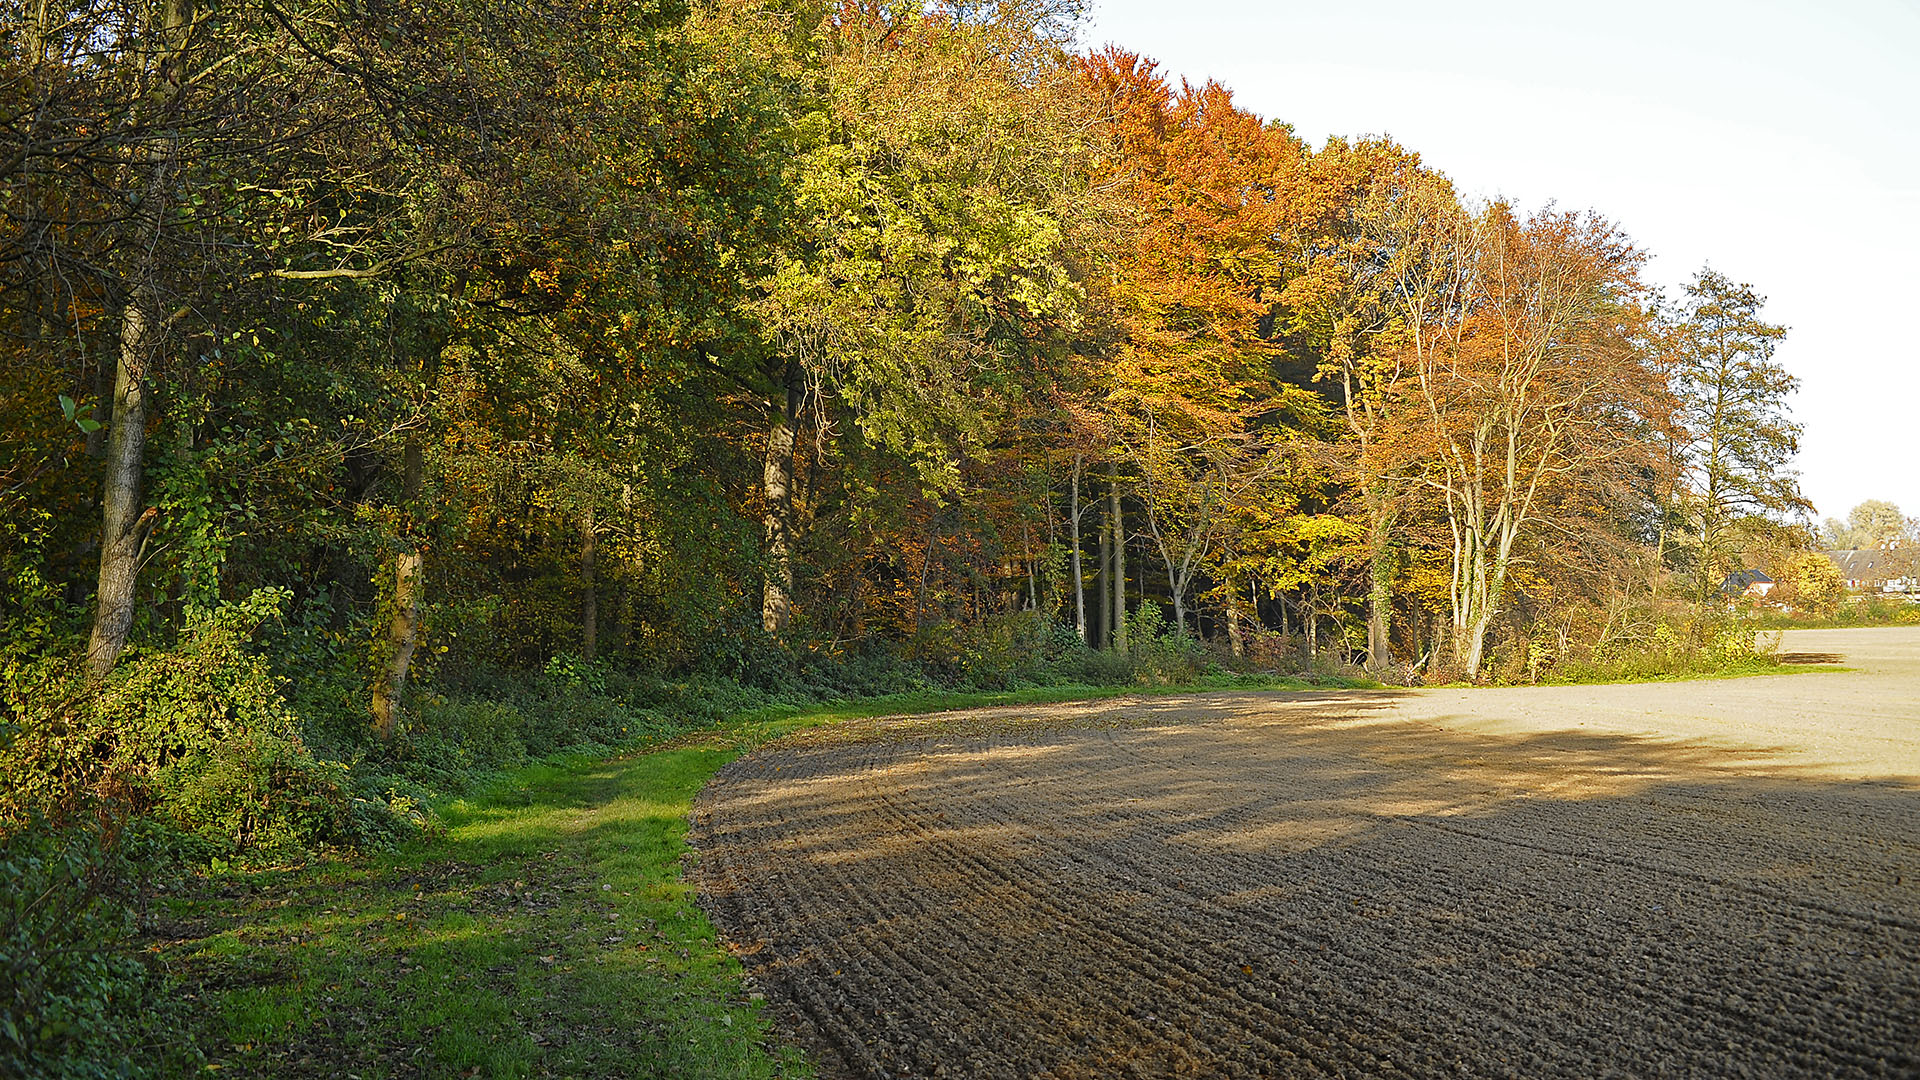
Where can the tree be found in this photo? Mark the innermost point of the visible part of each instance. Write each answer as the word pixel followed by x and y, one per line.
pixel 180 168
pixel 926 263
pixel 1202 187
pixel 1733 407
pixel 1874 523
pixel 1342 305
pixel 1808 582
pixel 1527 360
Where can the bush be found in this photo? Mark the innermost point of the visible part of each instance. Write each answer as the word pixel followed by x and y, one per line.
pixel 258 792
pixel 72 996
pixel 1162 654
pixel 1069 659
pixel 198 734
pixel 874 668
pixel 1664 645
pixel 1002 652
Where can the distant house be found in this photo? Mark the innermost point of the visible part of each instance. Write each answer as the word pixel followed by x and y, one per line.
pixel 1876 569
pixel 1753 584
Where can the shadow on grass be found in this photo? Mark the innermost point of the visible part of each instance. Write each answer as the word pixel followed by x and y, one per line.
pixel 548 934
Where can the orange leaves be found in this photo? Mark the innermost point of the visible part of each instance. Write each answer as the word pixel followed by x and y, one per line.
pixel 1198 184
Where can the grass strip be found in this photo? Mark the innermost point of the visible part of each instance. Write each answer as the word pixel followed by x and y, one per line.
pixel 546 932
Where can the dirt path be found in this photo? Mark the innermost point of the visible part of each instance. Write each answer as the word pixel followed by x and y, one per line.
pixel 1703 879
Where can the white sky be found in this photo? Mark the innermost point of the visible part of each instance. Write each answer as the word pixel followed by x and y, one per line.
pixel 1778 142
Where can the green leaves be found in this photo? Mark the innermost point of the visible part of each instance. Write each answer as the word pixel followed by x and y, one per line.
pixel 930 256
pixel 79 416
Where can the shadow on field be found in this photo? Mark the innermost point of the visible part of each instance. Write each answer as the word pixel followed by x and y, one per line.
pixel 1299 885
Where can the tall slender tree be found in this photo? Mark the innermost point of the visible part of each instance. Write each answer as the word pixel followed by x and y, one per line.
pixel 1740 439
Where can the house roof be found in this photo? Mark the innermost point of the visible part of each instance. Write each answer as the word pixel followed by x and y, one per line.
pixel 1742 579
pixel 1860 564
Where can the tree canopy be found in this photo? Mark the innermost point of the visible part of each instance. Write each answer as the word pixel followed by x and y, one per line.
pixel 708 338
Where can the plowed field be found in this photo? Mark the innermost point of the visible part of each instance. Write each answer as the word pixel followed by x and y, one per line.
pixel 1701 879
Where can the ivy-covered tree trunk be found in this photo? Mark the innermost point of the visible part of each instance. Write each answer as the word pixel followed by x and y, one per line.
pixel 776 611
pixel 1119 559
pixel 409 589
pixel 403 633
pixel 590 600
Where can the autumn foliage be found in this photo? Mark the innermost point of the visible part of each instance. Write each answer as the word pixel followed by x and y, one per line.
pixel 719 341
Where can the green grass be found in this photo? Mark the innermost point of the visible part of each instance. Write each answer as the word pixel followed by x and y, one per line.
pixel 546 932
pixel 1588 675
pixel 1908 614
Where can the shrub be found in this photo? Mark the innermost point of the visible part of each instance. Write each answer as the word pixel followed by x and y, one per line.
pixel 1069 659
pixel 874 668
pixel 72 997
pixel 1002 652
pixel 259 792
pixel 1094 667
pixel 1672 644
pixel 199 734
pixel 1162 654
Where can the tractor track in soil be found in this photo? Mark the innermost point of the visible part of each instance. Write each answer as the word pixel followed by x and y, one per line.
pixel 1701 879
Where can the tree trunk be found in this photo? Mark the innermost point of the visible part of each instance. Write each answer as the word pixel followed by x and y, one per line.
pixel 776 610
pixel 1079 581
pixel 124 524
pixel 1103 638
pixel 1659 555
pixel 590 600
pixel 1033 579
pixel 409 587
pixel 1119 559
pixel 1414 633
pixel 1380 590
pixel 920 593
pixel 623 606
pixel 1310 615
pixel 1486 586
pixel 403 632
pixel 1236 640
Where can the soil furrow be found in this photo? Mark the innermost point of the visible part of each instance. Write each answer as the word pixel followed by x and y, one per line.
pixel 1443 884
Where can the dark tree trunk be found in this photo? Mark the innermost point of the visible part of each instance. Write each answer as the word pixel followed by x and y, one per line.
pixel 590 598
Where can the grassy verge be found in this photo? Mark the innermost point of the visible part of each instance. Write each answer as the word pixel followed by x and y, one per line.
pixel 1854 613
pixel 1603 674
pixel 547 932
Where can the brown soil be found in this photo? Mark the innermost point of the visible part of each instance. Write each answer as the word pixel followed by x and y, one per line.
pixel 1699 879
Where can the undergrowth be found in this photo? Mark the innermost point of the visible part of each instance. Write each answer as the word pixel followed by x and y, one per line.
pixel 240 767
